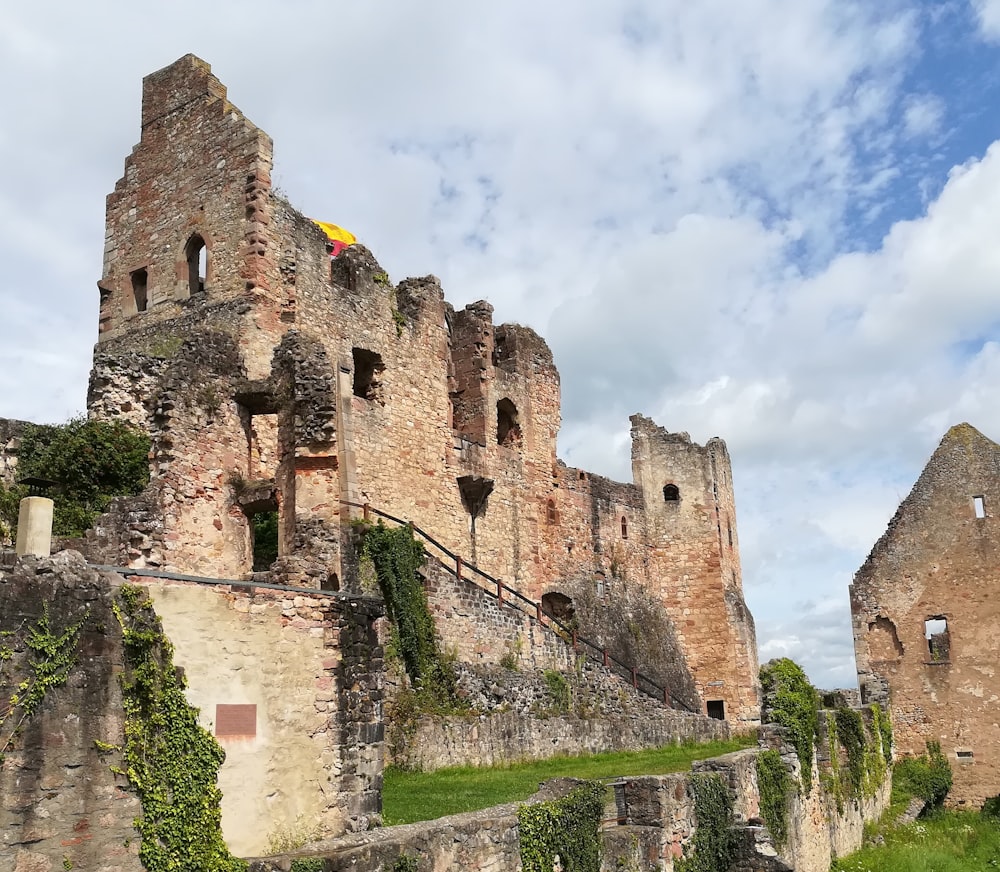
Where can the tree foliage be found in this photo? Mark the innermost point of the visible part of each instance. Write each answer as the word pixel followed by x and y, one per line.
pixel 91 461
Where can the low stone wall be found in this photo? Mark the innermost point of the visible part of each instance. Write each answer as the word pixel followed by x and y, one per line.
pixel 660 812
pixel 517 719
pixel 485 840
pixel 60 802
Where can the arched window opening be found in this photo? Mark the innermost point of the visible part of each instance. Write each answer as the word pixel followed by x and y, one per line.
pixel 624 527
pixel 508 429
pixel 197 264
pixel 558 605
pixel 551 516
pixel 140 279
pixel 331 582
pixel 264 537
pixel 671 493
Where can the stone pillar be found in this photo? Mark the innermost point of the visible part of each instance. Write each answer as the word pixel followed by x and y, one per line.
pixel 34 527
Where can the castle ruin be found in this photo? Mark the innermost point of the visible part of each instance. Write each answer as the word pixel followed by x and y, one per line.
pixel 925 609
pixel 272 378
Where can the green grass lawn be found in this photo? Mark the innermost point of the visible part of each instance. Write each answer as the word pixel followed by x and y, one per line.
pixel 420 796
pixel 946 841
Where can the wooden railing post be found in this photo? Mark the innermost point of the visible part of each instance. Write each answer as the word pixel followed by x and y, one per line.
pixel 576 645
pixel 499 591
pixel 458 567
pixel 605 652
pixel 366 512
pixel 635 679
pixel 538 612
pixel 666 696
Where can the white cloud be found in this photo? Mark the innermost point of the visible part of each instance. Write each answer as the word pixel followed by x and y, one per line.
pixel 988 16
pixel 922 114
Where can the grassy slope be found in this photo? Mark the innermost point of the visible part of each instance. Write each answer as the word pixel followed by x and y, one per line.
pixel 947 841
pixel 417 796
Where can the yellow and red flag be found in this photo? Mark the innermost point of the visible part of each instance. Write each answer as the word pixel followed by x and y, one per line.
pixel 338 237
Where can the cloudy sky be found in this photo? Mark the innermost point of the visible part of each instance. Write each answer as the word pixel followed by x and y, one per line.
pixel 769 220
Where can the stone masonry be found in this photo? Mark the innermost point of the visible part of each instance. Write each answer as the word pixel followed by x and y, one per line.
pixel 274 379
pixel 925 609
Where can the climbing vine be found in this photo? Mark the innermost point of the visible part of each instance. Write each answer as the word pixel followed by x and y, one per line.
pixel 567 827
pixel 170 761
pixel 794 705
pixel 397 556
pixel 714 845
pixel 774 784
pixel 50 657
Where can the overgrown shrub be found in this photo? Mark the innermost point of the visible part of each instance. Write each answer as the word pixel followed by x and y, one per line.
pixel 991 808
pixel 567 826
pixel 927 776
pixel 92 462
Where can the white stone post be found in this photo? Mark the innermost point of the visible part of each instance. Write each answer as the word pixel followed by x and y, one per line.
pixel 34 527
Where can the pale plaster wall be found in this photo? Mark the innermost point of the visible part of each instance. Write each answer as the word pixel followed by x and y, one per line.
pixel 238 650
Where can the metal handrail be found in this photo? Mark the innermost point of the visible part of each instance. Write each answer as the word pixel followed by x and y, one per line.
pixel 509 596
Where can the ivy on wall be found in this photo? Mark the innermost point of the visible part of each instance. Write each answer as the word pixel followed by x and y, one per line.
pixel 567 827
pixel 397 556
pixel 774 784
pixel 714 845
pixel 171 762
pixel 794 705
pixel 51 655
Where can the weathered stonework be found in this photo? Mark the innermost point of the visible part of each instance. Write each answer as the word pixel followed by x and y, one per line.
pixel 925 607
pixel 302 671
pixel 59 799
pixel 271 378
pixel 10 438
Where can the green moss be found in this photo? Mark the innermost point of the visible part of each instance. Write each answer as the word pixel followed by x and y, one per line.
pixel 171 762
pixel 794 706
pixel 714 844
pixel 567 826
pixel 774 784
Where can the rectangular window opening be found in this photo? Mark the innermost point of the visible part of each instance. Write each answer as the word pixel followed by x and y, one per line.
pixel 938 638
pixel 979 504
pixel 716 708
pixel 964 755
pixel 140 281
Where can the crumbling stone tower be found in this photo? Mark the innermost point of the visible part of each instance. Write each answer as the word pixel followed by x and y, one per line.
pixel 274 379
pixel 925 608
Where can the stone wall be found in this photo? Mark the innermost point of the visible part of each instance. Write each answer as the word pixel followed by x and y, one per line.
pixel 289 683
pixel 280 380
pixel 10 436
pixel 925 606
pixel 304 672
pixel 59 799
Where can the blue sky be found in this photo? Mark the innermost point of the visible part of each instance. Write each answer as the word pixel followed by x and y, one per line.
pixel 773 221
